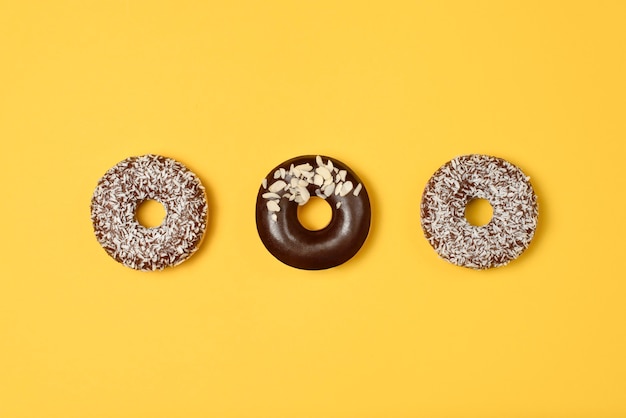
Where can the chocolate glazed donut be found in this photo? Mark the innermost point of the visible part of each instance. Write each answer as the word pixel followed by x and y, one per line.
pixel 292 183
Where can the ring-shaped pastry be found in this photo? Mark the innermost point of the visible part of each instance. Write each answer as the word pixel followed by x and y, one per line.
pixel 149 177
pixel 291 184
pixel 475 176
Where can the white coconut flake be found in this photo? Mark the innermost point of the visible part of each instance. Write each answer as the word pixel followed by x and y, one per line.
pixel 357 189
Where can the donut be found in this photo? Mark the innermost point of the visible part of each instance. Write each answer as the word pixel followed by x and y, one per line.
pixel 475 176
pixel 149 177
pixel 291 184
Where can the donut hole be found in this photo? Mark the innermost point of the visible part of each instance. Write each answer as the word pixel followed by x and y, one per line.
pixel 315 214
pixel 150 213
pixel 478 212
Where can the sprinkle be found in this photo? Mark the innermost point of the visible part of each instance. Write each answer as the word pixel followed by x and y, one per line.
pixel 347 186
pixel 328 190
pixel 304 167
pixel 304 193
pixel 323 171
pixel 272 206
pixel 277 186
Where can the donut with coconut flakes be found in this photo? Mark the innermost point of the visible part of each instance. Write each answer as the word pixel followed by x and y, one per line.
pixel 475 176
pixel 291 184
pixel 149 177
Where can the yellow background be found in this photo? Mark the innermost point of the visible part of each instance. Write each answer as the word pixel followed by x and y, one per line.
pixel 394 89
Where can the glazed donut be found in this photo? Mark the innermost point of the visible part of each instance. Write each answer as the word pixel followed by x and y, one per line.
pixel 509 192
pixel 292 183
pixel 149 177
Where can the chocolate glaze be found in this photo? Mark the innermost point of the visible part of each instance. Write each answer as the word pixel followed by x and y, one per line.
pixel 288 241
